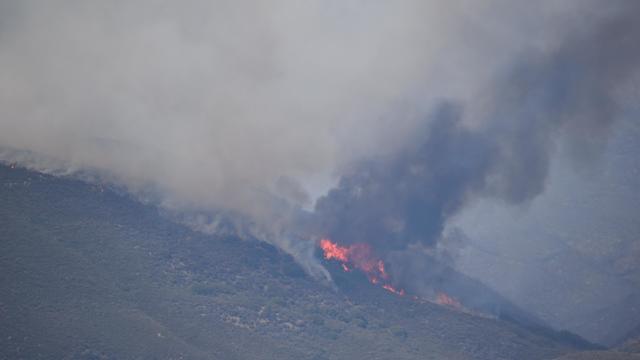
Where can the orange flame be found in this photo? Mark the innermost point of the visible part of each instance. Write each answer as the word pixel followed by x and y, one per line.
pixel 444 299
pixel 333 251
pixel 393 290
pixel 359 256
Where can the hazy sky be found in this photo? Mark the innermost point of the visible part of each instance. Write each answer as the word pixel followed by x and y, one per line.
pixel 213 101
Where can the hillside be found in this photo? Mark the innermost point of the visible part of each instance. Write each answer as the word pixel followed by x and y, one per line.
pixel 632 341
pixel 600 355
pixel 630 350
pixel 571 258
pixel 632 346
pixel 88 273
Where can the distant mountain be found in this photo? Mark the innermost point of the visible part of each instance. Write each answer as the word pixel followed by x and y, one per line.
pixel 631 342
pixel 633 334
pixel 600 355
pixel 571 257
pixel 88 273
pixel 630 350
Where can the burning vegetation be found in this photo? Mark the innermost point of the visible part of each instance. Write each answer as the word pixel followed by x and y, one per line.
pixel 360 257
pixel 446 300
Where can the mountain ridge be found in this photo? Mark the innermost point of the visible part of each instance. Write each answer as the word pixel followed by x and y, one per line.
pixel 93 274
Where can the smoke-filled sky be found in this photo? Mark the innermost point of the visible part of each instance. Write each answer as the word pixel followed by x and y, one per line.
pixel 212 102
pixel 420 106
pixel 395 115
pixel 499 146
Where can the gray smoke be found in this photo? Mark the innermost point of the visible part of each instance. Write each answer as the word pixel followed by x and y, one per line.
pixel 257 107
pixel 569 95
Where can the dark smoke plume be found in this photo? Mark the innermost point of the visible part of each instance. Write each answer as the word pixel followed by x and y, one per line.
pixel 501 149
pixel 247 108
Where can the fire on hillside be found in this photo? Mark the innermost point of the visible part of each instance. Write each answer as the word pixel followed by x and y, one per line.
pixel 360 257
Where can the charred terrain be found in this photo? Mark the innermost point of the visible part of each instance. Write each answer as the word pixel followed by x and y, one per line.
pixel 88 273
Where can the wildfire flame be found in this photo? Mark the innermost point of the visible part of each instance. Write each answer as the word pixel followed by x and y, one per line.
pixel 444 299
pixel 359 256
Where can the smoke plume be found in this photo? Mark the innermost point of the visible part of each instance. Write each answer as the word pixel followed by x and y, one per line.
pixel 500 147
pixel 416 107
